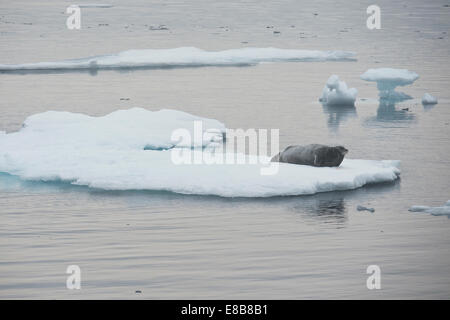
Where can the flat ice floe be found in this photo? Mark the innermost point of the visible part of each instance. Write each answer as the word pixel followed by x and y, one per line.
pixel 388 79
pixel 395 77
pixel 184 57
pixel 109 153
pixel 435 211
pixel 94 5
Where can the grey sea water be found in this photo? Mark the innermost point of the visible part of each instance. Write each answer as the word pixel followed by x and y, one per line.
pixel 176 246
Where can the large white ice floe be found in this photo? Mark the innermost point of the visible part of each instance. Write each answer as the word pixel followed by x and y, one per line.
pixel 435 211
pixel 109 153
pixel 184 57
pixel 388 79
pixel 336 93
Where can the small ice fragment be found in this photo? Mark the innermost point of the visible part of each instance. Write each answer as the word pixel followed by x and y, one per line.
pixel 435 211
pixel 362 208
pixel 159 27
pixel 337 93
pixel 428 99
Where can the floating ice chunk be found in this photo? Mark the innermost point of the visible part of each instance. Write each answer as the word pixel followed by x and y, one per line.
pixel 108 153
pixel 336 93
pixel 94 5
pixel 388 79
pixel 428 99
pixel 184 57
pixel 435 211
pixel 362 208
pixel 390 76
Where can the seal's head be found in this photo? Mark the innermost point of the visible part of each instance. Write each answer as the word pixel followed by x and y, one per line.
pixel 331 156
pixel 343 151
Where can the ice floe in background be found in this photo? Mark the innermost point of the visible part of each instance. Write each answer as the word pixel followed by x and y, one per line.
pixel 435 211
pixel 388 79
pixel 108 152
pixel 183 57
pixel 429 99
pixel 94 5
pixel 389 117
pixel 336 93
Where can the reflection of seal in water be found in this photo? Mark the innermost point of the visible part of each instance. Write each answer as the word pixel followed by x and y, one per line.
pixel 317 155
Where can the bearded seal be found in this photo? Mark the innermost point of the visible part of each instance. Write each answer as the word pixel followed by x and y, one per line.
pixel 317 155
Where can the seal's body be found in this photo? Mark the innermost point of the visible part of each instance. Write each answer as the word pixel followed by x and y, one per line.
pixel 317 155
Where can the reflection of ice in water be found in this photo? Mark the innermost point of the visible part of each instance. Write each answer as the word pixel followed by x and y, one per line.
pixel 428 107
pixel 338 115
pixel 387 80
pixel 388 115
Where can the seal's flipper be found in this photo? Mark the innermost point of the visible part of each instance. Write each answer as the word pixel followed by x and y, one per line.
pixel 276 158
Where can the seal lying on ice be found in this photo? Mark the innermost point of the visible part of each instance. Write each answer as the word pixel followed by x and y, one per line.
pixel 317 155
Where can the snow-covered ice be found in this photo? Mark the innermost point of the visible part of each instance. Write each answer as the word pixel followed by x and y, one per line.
pixel 336 93
pixel 388 79
pixel 184 57
pixel 435 211
pixel 135 128
pixel 429 99
pixel 108 152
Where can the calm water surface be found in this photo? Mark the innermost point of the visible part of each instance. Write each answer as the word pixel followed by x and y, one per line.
pixel 176 246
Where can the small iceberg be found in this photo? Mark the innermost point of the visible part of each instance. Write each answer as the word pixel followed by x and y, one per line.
pixel 435 211
pixel 133 150
pixel 336 93
pixel 183 57
pixel 388 79
pixel 428 99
